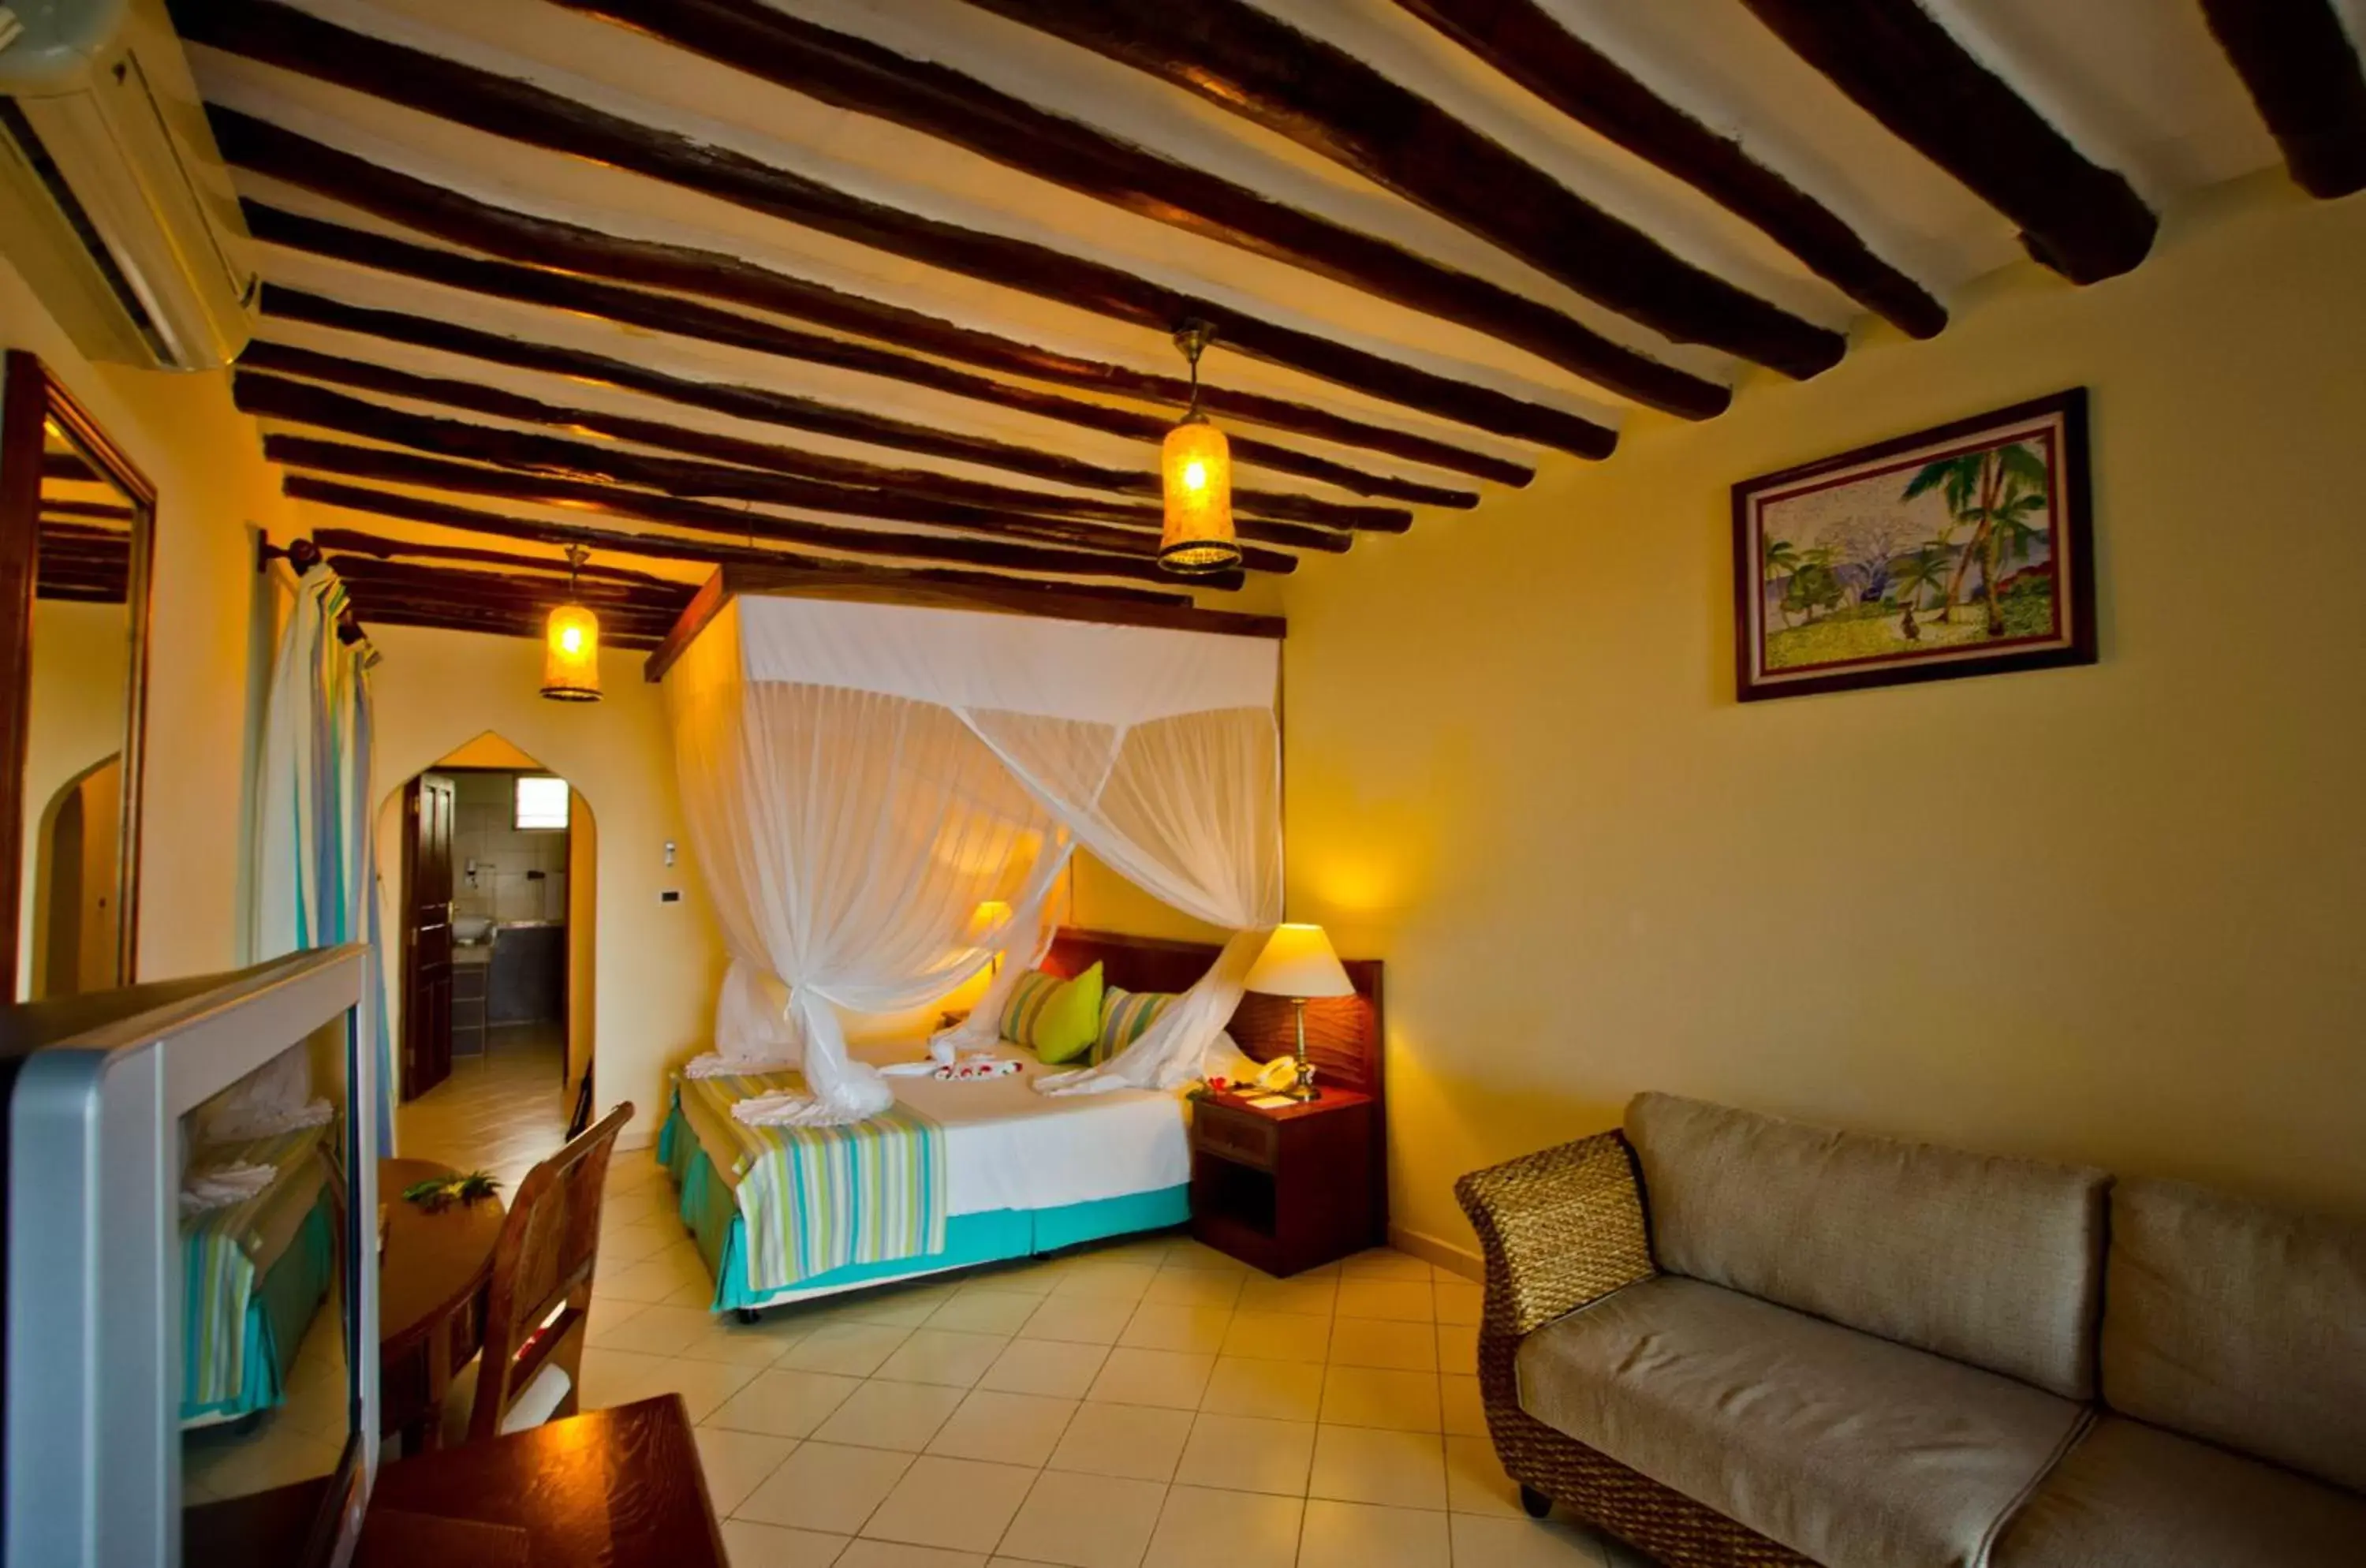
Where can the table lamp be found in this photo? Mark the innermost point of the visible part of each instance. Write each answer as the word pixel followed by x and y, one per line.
pixel 1298 963
pixel 989 918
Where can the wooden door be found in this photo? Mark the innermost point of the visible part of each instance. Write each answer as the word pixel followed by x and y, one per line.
pixel 427 807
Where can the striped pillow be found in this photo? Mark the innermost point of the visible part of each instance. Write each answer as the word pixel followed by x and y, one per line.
pixel 1126 1017
pixel 1026 1004
pixel 1053 1018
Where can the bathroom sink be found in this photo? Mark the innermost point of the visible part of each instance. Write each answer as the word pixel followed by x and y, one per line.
pixel 471 930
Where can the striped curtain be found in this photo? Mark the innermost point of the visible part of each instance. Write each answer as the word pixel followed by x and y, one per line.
pixel 316 879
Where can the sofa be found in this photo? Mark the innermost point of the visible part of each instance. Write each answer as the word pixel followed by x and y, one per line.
pixel 1730 1339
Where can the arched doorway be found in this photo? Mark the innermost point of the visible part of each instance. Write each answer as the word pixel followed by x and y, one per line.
pixel 74 936
pixel 492 862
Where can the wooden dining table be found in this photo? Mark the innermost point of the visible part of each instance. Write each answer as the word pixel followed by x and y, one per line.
pixel 430 1298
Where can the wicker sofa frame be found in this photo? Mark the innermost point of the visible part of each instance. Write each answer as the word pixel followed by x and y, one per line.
pixel 1561 1230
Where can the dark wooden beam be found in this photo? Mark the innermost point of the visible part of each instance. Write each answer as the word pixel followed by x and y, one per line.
pixel 709 552
pixel 524 453
pixel 543 243
pixel 2301 69
pixel 764 405
pixel 355 541
pixel 86 509
pixel 380 609
pixel 1525 42
pixel 1244 60
pixel 291 398
pixel 614 500
pixel 502 105
pixel 619 605
pixel 856 74
pixel 69 466
pixel 1908 72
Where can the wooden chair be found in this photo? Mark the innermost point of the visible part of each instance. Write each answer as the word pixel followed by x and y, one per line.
pixel 541 1285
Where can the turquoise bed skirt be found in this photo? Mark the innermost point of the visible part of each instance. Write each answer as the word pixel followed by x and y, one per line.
pixel 278 1314
pixel 997 1235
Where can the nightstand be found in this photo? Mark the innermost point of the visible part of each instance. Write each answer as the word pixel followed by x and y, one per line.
pixel 1286 1189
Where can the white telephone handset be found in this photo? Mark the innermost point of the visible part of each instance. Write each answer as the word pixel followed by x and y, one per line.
pixel 1278 1075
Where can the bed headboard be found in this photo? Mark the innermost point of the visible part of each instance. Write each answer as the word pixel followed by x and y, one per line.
pixel 1342 1033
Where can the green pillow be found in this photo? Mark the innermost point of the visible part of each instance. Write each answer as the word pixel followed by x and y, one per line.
pixel 1058 1020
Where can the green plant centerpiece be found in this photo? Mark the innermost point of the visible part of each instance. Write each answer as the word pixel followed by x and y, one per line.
pixel 442 1191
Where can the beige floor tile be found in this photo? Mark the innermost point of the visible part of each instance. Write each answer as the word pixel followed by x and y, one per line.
pixel 902 1415
pixel 665 1272
pixel 1045 1367
pixel 658 1331
pixel 1318 1295
pixel 758 1344
pixel 1375 1342
pixel 1195 1288
pixel 1384 1263
pixel 1278 1336
pixel 942 1356
pixel 1105 1283
pixel 1457 1348
pixel 1199 1330
pixel 1475 1482
pixel 1006 1428
pixel 1183 1252
pixel 1464 1415
pixel 1175 1379
pixel 1079 1321
pixel 621 1376
pixel 896 1554
pixel 826 1487
pixel 1199 1528
pixel 1239 1453
pixel 629 1242
pixel 1276 1391
pixel 848 1349
pixel 784 1404
pixel 1013 1279
pixel 1356 1535
pixel 957 1504
pixel 1085 1521
pixel 1362 1464
pixel 608 1316
pixel 1367 1396
pixel 1400 1300
pixel 1621 1555
pixel 985 1312
pixel 1458 1301
pixel 751 1545
pixel 891 1309
pixel 1525 1543
pixel 1134 1442
pixel 737 1462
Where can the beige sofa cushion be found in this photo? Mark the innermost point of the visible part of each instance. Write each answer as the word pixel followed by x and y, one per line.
pixel 1989 1260
pixel 2241 1324
pixel 2135 1496
pixel 1851 1451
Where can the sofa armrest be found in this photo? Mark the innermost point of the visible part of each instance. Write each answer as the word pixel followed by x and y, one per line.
pixel 1560 1229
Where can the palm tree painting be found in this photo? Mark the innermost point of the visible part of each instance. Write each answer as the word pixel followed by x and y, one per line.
pixel 1953 551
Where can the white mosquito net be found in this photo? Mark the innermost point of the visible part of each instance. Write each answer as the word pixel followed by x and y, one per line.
pixel 860 778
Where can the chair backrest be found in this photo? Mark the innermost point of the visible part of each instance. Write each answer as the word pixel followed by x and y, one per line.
pixel 541 1285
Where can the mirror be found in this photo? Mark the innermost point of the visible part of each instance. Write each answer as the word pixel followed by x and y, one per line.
pixel 77 540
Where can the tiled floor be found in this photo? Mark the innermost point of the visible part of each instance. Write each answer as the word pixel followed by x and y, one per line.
pixel 1147 1405
pixel 303 1437
pixel 500 1112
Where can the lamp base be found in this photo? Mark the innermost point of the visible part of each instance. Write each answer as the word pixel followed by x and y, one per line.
pixel 1304 1091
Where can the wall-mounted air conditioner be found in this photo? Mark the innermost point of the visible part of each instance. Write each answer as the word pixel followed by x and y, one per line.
pixel 113 203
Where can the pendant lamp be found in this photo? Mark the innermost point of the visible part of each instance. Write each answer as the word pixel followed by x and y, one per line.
pixel 1197 464
pixel 571 655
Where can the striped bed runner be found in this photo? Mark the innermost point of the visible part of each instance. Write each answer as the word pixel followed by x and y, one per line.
pixel 219 1266
pixel 814 1198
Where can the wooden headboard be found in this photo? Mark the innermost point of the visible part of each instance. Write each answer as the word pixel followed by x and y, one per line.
pixel 1342 1033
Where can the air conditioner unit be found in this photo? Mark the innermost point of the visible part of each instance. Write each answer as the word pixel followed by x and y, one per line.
pixel 113 203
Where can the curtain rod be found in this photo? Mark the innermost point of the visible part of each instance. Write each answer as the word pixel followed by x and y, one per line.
pixel 303 554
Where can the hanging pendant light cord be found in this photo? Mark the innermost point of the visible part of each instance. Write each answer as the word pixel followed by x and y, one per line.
pixel 1193 337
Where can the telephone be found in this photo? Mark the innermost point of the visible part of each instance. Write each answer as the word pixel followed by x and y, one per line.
pixel 1278 1075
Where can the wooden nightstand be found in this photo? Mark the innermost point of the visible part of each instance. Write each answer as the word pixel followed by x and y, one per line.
pixel 1286 1189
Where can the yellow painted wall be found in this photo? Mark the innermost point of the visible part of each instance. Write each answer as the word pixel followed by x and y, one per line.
pixel 657 963
pixel 211 625
pixel 2110 914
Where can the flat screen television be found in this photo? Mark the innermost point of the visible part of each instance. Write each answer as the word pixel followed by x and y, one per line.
pixel 191 1270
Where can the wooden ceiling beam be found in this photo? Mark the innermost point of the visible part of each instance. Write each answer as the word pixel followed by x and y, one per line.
pixel 765 406
pixel 1907 71
pixel 621 605
pixel 866 78
pixel 2300 68
pixel 357 541
pixel 1241 59
pixel 382 609
pixel 590 257
pixel 500 106
pixel 86 509
pixel 476 397
pixel 705 552
pixel 614 500
pixel 527 453
pixel 1525 43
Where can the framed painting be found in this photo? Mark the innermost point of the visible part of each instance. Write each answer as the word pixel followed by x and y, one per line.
pixel 1963 550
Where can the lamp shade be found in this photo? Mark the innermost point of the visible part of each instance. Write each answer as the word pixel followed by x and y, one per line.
pixel 570 656
pixel 988 918
pixel 1298 961
pixel 1197 466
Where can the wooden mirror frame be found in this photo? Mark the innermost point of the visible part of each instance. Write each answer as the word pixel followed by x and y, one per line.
pixel 30 398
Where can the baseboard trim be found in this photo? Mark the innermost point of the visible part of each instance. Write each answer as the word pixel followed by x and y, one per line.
pixel 1444 1254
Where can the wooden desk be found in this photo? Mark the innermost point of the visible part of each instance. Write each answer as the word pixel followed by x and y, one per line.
pixel 620 1487
pixel 431 1293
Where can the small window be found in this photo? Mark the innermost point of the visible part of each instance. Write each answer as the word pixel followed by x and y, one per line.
pixel 541 802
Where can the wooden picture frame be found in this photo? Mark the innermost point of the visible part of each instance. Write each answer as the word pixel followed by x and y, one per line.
pixel 1964 549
